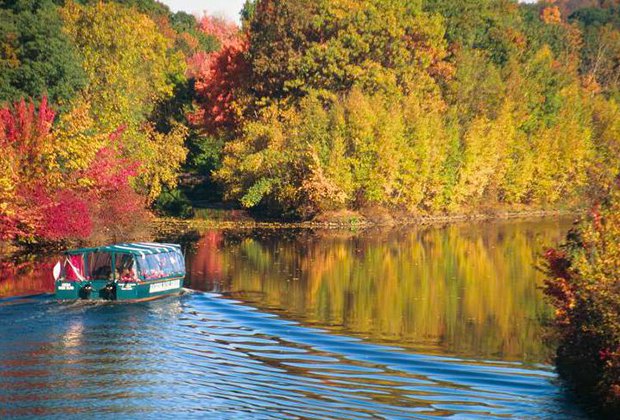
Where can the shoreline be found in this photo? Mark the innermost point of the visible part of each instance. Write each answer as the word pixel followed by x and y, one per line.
pixel 360 222
pixel 159 226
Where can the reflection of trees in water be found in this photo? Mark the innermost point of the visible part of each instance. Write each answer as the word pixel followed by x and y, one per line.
pixel 26 277
pixel 177 233
pixel 463 289
pixel 206 263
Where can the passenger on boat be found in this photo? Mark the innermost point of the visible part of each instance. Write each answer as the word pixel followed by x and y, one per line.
pixel 126 271
pixel 128 275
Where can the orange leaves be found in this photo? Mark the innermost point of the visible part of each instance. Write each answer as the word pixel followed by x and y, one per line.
pixel 551 15
pixel 225 31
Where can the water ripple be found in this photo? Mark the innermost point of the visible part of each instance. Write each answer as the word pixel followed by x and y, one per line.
pixel 201 355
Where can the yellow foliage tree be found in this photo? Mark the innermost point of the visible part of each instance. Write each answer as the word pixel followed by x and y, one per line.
pixel 130 64
pixel 605 167
pixel 564 151
pixel 487 144
pixel 166 154
pixel 76 137
pixel 423 169
pixel 131 67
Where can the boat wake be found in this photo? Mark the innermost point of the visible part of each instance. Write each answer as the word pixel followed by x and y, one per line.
pixel 204 355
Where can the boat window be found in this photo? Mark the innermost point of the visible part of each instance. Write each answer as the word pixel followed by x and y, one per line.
pixel 125 268
pixel 99 266
pixel 179 263
pixel 156 266
pixel 73 268
pixel 175 262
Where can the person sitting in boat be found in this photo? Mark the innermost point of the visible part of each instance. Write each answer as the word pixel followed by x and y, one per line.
pixel 128 275
pixel 126 271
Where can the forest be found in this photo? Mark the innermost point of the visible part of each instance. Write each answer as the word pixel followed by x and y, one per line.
pixel 114 110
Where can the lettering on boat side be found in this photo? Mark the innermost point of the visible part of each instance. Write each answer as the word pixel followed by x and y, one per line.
pixel 166 285
pixel 127 287
pixel 65 286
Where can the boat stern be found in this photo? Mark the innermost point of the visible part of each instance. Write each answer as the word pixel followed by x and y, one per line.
pixel 87 289
pixel 125 291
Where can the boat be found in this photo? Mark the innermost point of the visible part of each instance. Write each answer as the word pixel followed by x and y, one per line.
pixel 121 272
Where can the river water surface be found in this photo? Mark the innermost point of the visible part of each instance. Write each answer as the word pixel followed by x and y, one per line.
pixel 404 323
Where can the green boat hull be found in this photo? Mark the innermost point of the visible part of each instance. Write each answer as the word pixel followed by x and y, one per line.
pixel 105 290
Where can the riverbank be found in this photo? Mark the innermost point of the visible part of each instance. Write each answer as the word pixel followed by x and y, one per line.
pixel 350 219
pixel 172 227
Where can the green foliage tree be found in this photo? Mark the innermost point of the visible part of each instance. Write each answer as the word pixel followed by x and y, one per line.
pixel 247 12
pixel 36 57
pixel 152 8
pixel 471 22
pixel 187 26
pixel 600 55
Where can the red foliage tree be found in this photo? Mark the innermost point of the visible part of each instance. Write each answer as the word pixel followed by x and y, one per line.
pixel 110 169
pixel 24 126
pixel 114 203
pixel 220 76
pixel 9 227
pixel 41 200
pixel 219 87
pixel 60 215
pixel 225 31
pixel 24 140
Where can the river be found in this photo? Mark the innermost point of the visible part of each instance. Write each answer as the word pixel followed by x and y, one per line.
pixel 392 323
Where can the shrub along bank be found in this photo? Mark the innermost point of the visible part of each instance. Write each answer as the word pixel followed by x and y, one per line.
pixel 584 286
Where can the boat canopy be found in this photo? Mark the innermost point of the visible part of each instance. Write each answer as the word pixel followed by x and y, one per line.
pixel 141 261
pixel 137 248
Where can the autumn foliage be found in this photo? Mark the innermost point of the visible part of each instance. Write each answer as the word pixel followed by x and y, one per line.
pixel 583 283
pixel 41 199
pixel 98 164
pixel 220 77
pixel 415 107
pixel 431 107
